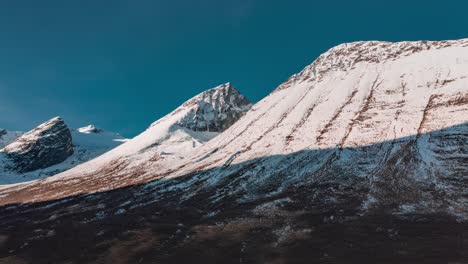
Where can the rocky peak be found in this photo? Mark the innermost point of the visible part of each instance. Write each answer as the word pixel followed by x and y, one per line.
pixel 214 110
pixel 48 144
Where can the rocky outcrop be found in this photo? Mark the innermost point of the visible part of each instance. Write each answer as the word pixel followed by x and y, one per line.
pixel 215 110
pixel 48 144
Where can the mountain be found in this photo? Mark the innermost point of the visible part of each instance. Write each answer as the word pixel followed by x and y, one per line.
pixel 195 122
pixel 359 158
pixel 51 148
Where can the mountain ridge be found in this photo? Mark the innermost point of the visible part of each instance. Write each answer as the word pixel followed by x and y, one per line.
pixel 364 160
pixel 354 101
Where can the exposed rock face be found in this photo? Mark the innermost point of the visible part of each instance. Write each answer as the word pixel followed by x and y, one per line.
pixel 48 144
pixel 215 110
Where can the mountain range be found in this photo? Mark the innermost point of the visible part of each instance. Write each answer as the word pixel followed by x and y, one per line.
pixel 50 148
pixel 359 158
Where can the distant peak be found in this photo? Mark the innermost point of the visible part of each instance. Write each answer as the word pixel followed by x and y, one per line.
pixel 89 129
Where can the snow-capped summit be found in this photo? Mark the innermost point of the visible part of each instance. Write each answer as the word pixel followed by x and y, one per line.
pixel 195 122
pixel 213 110
pixel 89 129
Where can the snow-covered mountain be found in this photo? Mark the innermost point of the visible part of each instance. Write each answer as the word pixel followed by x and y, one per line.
pixel 195 122
pixel 51 148
pixel 362 155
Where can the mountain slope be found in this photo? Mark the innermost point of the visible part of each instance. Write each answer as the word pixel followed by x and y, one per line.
pixel 360 157
pixel 347 98
pixel 196 121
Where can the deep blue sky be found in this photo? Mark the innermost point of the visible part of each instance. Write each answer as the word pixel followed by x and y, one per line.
pixel 122 64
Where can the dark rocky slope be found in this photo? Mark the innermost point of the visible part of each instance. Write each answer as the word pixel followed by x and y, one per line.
pixel 48 144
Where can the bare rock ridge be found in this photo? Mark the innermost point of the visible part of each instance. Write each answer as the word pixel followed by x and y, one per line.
pixel 48 144
pixel 215 110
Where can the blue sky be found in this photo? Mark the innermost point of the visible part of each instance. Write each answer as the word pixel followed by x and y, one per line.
pixel 122 64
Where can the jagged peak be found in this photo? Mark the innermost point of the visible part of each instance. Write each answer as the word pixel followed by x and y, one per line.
pixel 212 110
pixel 224 89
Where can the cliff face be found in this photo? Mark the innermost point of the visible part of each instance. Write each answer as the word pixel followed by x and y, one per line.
pixel 48 144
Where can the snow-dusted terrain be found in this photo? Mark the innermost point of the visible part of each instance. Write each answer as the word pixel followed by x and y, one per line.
pixel 362 155
pixel 399 96
pixel 196 121
pixel 87 143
